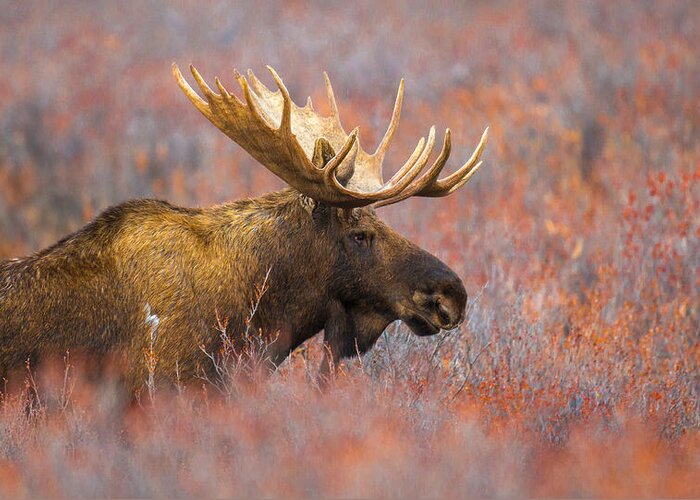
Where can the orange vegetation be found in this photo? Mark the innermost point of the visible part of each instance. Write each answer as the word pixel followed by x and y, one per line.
pixel 577 372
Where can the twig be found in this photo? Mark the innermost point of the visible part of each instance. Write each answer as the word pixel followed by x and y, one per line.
pixel 470 365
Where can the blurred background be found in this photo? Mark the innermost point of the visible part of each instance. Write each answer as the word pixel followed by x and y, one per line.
pixel 584 99
pixel 578 239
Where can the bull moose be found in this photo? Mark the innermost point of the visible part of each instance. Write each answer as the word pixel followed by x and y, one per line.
pixel 328 260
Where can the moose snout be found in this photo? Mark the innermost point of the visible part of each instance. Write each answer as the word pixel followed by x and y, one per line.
pixel 444 302
pixel 449 312
pixel 450 304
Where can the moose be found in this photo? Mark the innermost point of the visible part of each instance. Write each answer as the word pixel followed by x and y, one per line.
pixel 328 260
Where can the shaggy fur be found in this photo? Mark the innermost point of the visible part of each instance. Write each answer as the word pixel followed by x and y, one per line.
pixel 339 270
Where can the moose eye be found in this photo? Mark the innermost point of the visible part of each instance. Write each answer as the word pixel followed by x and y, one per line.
pixel 360 238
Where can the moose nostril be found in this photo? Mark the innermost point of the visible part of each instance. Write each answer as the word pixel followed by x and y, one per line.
pixel 449 316
pixel 443 312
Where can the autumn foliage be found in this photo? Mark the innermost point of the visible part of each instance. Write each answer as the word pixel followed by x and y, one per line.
pixel 577 372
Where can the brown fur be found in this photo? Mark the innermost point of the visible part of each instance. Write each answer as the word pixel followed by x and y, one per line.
pixel 92 290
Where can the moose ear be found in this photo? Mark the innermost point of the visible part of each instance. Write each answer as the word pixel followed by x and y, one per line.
pixel 320 212
pixel 323 153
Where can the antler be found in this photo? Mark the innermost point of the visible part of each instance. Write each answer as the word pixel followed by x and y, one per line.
pixel 284 138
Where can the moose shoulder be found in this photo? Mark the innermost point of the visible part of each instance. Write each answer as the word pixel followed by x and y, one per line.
pixel 328 262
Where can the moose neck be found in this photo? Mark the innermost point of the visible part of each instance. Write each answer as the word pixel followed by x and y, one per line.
pixel 276 235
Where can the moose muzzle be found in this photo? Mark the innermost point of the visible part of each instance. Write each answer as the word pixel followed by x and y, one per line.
pixel 438 300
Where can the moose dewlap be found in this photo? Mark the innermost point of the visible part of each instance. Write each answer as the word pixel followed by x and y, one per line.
pixel 146 276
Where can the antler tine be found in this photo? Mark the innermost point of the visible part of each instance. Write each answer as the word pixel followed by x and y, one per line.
pixel 208 92
pixel 428 176
pixel 286 122
pixel 467 177
pixel 408 172
pixel 194 98
pixel 375 195
pixel 229 99
pixel 250 102
pixel 334 163
pixel 428 184
pixel 443 187
pixel 222 91
pixel 258 86
pixel 402 178
pixel 393 124
pixel 332 102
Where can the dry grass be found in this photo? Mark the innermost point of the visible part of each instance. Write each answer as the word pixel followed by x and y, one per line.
pixel 577 373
